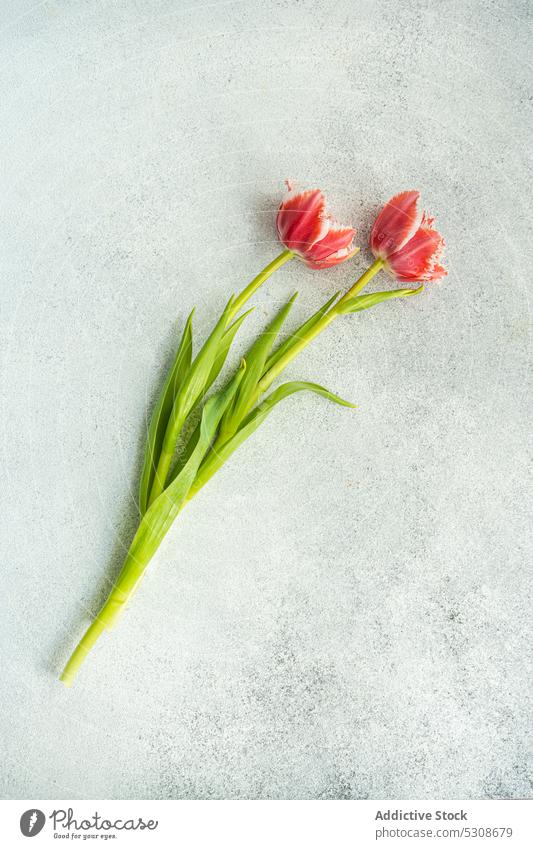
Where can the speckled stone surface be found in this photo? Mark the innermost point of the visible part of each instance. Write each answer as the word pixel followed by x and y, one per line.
pixel 345 612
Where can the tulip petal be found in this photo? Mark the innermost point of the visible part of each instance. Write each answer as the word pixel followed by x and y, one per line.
pixel 301 220
pixel 333 259
pixel 397 222
pixel 335 246
pixel 418 259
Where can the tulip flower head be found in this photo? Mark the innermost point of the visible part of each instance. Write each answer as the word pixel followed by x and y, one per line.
pixel 404 238
pixel 307 229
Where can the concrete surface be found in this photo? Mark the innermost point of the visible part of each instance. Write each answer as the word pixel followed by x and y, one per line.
pixel 345 611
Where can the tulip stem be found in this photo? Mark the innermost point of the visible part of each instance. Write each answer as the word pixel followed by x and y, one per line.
pixel 360 284
pixel 258 281
pixel 126 584
pixel 326 320
pixel 95 629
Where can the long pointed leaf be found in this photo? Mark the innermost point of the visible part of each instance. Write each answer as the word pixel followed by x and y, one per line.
pixel 161 413
pixel 223 349
pixel 364 302
pixel 255 363
pixel 161 514
pixel 225 345
pixel 200 369
pixel 220 452
pixel 189 394
pixel 297 335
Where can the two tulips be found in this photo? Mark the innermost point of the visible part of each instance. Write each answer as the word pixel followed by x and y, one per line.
pixel 404 243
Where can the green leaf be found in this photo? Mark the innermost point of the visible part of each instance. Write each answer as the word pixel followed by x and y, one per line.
pixel 190 392
pixel 161 413
pixel 364 302
pixel 225 345
pixel 162 513
pixel 200 370
pixel 221 451
pixel 297 335
pixel 184 454
pixel 223 349
pixel 255 364
pixel 193 439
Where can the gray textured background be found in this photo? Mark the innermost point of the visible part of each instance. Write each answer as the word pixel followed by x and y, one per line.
pixel 345 610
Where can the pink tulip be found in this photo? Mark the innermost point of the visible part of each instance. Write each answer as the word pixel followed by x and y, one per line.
pixel 308 230
pixel 404 238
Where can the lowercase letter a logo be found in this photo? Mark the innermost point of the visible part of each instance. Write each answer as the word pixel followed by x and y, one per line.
pixel 31 822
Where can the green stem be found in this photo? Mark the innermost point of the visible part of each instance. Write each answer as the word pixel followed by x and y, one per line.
pixel 81 651
pixel 104 621
pixel 326 320
pixel 258 281
pixel 165 459
pixel 127 582
pixel 361 282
